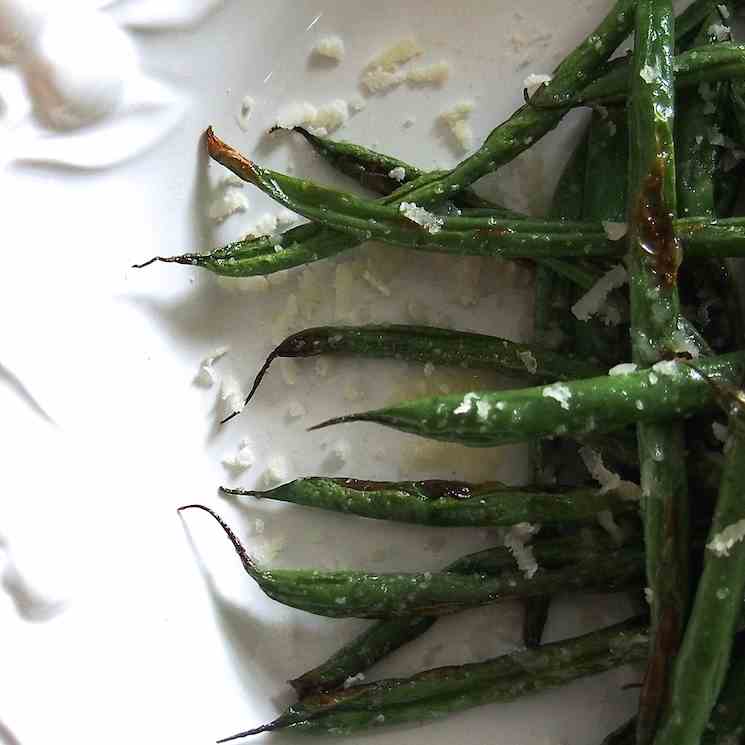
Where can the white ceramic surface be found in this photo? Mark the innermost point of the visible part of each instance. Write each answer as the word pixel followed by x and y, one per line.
pixel 119 622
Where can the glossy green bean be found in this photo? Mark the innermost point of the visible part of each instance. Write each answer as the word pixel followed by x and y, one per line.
pixel 385 636
pixel 350 594
pixel 435 693
pixel 583 407
pixel 446 503
pixel 727 723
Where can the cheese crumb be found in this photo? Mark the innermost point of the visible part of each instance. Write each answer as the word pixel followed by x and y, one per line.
pixel 649 595
pixel 534 81
pixel 718 32
pixel 723 11
pixel 383 71
pixel 231 201
pixel 722 543
pixel 615 230
pixel 206 376
pixel 430 222
pixel 591 302
pixel 649 74
pixel 243 459
pixel 516 543
pixel 666 367
pixel 559 392
pixel 398 173
pixel 231 394
pixel 331 47
pixel 457 122
pixel 625 368
pixel 608 480
pixel 465 405
pixel 320 120
pixel 276 471
pixel 244 114
pixel 529 360
pixel 354 679
pixel 434 74
pixel 721 432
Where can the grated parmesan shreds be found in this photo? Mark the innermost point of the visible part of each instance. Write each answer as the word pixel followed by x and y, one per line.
pixel 625 368
pixel 398 173
pixel 242 459
pixel 429 221
pixel 649 74
pixel 534 81
pixel 320 120
pixel 722 543
pixel 353 680
pixel 515 541
pixel 608 480
pixel 276 472
pixel 559 392
pixel 529 360
pixel 465 405
pixel 231 394
pixel 330 47
pixel 720 431
pixel 383 71
pixel 206 376
pixel 615 230
pixel 592 301
pixel 456 119
pixel 231 201
pixel 434 74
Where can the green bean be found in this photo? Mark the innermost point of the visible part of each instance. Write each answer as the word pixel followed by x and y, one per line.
pixel 385 636
pixel 727 723
pixel 701 666
pixel 445 503
pixel 535 619
pixel 655 256
pixel 582 407
pixel 349 594
pixel 435 693
pixel 428 344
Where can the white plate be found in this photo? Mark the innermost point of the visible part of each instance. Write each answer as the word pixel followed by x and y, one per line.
pixel 121 623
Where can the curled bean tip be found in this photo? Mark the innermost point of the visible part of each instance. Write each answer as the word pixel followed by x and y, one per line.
pixel 341 420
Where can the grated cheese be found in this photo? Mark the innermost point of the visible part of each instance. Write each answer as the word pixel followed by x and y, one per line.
pixel 243 459
pixel 276 471
pixel 718 32
pixel 244 114
pixel 534 81
pixel 320 120
pixel 649 595
pixel 529 360
pixel 383 71
pixel 456 119
pixel 231 201
pixel 398 173
pixel 559 392
pixel 608 480
pixel 615 230
pixel 331 47
pixel 465 404
pixel 206 376
pixel 353 680
pixel 434 74
pixel 666 367
pixel 231 394
pixel 429 221
pixel 722 542
pixel 625 368
pixel 515 541
pixel 591 302
pixel 649 74
pixel 721 432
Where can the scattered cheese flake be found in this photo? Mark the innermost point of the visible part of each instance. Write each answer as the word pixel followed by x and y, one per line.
pixel 429 369
pixel 354 679
pixel 457 122
pixel 721 432
pixel 723 11
pixel 429 221
pixel 534 81
pixel 723 593
pixel 482 409
pixel 608 480
pixel 649 595
pixel 608 523
pixel 243 459
pixel 529 360
pixel 374 282
pixel 296 409
pixel 383 71
pixel 296 115
pixel 378 81
pixel 319 120
pixel 716 137
pixel 435 74
pixel 247 106
pixel 718 32
pixel 649 74
pixel 615 230
pixel 228 203
pixel 559 392
pixel 722 543
pixel 276 471
pixel 206 375
pixel 465 404
pixel 515 541
pixel 666 367
pixel 625 368
pixel 591 302
pixel 231 394
pixel 331 47
pixel 285 217
pixel 331 116
pixel 398 173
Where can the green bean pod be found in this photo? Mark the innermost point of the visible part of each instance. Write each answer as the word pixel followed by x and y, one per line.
pixel 386 636
pixel 727 723
pixel 350 594
pixel 445 503
pixel 701 666
pixel 582 407
pixel 435 693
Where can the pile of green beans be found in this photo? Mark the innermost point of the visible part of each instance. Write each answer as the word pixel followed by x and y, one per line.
pixel 671 522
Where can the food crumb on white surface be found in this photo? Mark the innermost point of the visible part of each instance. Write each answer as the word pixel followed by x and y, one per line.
pixel 242 459
pixel 296 409
pixel 206 376
pixel 624 368
pixel 516 542
pixel 559 392
pixel 230 202
pixel 383 71
pixel 429 221
pixel 319 120
pixel 330 47
pixel 398 173
pixel 276 472
pixel 592 301
pixel 456 120
pixel 435 74
pixel 231 394
pixel 244 113
pixel 615 230
pixel 534 81
pixel 723 542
